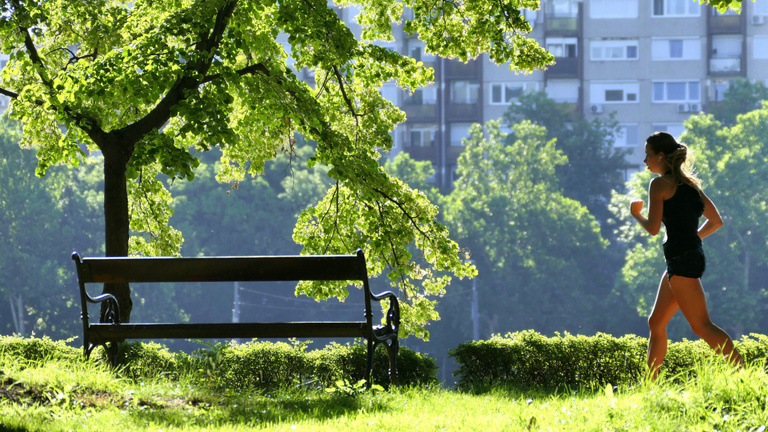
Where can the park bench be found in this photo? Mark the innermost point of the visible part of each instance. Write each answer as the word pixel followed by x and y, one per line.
pixel 111 330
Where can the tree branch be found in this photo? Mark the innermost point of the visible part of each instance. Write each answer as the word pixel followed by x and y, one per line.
pixel 161 113
pixel 9 93
pixel 402 209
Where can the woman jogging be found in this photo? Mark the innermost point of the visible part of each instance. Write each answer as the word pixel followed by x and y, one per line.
pixel 676 199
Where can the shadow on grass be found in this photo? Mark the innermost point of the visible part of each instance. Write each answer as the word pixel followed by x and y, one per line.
pixel 258 410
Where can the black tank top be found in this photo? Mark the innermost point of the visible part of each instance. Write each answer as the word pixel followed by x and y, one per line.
pixel 681 218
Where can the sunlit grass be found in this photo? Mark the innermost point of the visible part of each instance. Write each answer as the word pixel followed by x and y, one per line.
pixel 64 395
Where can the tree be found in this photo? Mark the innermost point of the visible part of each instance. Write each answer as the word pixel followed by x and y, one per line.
pixel 149 83
pixel 740 97
pixel 532 244
pixel 732 164
pixel 41 220
pixel 594 167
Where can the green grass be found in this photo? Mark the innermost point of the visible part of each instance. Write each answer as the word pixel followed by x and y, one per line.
pixel 63 394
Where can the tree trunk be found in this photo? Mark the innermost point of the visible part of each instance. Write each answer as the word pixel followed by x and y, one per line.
pixel 117 221
pixel 17 312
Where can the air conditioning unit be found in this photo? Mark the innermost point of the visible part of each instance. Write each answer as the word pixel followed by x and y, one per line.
pixel 694 107
pixel 683 108
pixel 758 19
pixel 596 108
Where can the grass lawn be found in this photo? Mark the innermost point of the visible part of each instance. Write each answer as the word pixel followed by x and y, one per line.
pixel 73 395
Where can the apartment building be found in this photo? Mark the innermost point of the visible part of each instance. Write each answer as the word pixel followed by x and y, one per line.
pixel 653 63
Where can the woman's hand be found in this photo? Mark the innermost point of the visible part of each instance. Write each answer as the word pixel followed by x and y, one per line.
pixel 636 207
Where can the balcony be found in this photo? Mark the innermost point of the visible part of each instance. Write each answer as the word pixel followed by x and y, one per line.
pixel 725 66
pixel 464 112
pixel 564 67
pixel 719 24
pixel 455 69
pixel 420 112
pixel 429 153
pixel 562 25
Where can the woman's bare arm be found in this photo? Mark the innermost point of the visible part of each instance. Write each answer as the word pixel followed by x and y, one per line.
pixel 714 221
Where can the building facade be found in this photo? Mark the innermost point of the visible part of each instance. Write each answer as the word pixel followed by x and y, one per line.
pixel 653 63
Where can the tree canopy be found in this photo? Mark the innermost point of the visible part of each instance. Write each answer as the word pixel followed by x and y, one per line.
pixel 534 247
pixel 149 84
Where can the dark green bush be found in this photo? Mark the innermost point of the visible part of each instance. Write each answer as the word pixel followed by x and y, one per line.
pixel 37 349
pixel 257 365
pixel 267 366
pixel 528 359
pixel 349 361
pixel 140 361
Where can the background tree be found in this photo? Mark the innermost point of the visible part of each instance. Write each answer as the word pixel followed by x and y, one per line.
pixel 41 220
pixel 595 167
pixel 533 246
pixel 149 83
pixel 732 164
pixel 740 97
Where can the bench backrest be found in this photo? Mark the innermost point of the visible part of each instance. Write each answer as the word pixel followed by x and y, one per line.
pixel 222 269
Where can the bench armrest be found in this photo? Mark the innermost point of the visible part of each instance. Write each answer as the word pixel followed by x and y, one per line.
pixel 392 325
pixel 112 312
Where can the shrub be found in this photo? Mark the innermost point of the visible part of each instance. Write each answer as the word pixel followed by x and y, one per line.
pixel 263 366
pixel 349 361
pixel 37 349
pixel 528 359
pixel 257 365
pixel 140 361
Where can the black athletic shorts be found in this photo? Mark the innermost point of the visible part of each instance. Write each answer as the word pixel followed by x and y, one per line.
pixel 690 264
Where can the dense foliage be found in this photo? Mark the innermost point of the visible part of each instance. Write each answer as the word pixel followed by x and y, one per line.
pixel 528 359
pixel 149 84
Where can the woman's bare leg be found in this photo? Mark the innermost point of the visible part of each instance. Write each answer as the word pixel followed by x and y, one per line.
pixel 664 308
pixel 689 294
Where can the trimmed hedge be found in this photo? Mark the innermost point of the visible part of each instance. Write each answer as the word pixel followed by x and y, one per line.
pixel 268 365
pixel 528 359
pixel 37 349
pixel 251 366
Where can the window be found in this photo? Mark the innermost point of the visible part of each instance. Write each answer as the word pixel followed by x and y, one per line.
pixel 760 47
pixel 675 8
pixel 509 92
pixel 600 9
pixel 422 96
pixel 726 46
pixel 423 135
pixel 563 8
pixel 718 88
pixel 464 92
pixel 676 49
pixel 726 54
pixel 390 92
pixel 613 92
pixel 674 129
pixel 562 47
pixel 628 136
pixel 561 90
pixel 416 51
pixel 676 91
pixel 613 49
pixel 459 131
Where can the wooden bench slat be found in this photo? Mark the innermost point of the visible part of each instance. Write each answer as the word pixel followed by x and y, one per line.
pixel 104 332
pixel 222 269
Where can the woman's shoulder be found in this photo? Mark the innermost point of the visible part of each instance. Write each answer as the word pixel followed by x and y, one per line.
pixel 664 185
